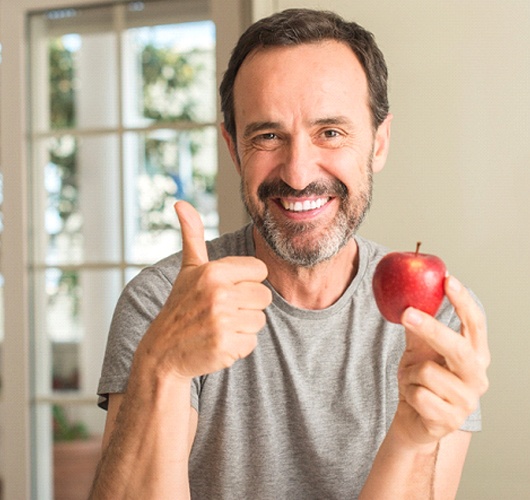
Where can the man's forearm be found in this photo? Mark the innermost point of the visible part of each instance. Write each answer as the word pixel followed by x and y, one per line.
pixel 402 472
pixel 147 453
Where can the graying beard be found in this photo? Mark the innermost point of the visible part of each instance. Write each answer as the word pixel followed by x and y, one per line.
pixel 329 246
pixel 282 246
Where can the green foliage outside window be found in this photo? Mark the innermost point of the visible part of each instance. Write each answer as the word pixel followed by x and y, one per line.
pixel 64 429
pixel 61 85
pixel 167 77
pixel 168 73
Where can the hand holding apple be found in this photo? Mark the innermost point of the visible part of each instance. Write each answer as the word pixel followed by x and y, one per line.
pixel 408 279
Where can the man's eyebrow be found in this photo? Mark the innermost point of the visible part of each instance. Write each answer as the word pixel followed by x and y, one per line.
pixel 333 120
pixel 254 127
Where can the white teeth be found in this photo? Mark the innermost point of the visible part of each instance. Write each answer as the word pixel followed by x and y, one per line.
pixel 299 206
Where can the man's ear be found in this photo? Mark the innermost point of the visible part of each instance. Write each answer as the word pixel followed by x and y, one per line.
pixel 381 144
pixel 231 146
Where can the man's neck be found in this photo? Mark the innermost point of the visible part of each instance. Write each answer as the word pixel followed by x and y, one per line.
pixel 310 288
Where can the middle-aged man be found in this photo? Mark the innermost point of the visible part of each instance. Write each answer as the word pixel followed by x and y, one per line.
pixel 257 366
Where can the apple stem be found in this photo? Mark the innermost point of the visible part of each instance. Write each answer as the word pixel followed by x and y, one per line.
pixel 418 247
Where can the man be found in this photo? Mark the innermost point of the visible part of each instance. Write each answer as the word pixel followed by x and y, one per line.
pixel 257 366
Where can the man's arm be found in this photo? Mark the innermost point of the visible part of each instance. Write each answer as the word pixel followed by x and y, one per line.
pixel 450 463
pixel 210 320
pixel 441 377
pixel 141 445
pixel 431 473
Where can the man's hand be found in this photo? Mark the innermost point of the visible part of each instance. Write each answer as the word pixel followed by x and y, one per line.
pixel 214 310
pixel 442 373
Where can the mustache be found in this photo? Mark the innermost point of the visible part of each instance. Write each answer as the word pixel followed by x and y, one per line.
pixel 280 189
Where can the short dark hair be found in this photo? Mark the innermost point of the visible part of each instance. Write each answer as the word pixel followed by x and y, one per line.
pixel 299 26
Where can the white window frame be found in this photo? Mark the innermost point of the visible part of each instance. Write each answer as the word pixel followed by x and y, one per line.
pixel 230 17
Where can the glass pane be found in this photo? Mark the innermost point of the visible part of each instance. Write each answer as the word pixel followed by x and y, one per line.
pixel 79 207
pixel 100 290
pixel 170 73
pixel 163 166
pixel 96 81
pixel 65 364
pixel 59 237
pixel 77 431
pixel 63 52
pixel 63 322
pixel 69 338
pixel 99 197
pixel 65 58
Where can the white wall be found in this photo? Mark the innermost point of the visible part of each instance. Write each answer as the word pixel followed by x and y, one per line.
pixel 458 179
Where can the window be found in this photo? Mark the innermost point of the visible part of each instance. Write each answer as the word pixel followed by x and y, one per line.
pixel 122 123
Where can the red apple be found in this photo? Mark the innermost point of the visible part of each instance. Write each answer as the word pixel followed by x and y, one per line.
pixel 408 279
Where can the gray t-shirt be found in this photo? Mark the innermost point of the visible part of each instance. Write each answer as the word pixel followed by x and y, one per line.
pixel 302 416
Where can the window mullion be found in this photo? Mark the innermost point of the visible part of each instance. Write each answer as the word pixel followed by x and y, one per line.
pixel 119 28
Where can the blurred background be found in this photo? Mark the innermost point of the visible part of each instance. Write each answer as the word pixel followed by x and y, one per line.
pixel 108 114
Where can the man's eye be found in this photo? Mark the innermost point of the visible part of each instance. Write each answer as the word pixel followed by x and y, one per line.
pixel 269 136
pixel 331 134
pixel 267 141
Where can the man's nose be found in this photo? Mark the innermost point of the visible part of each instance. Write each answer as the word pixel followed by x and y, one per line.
pixel 300 163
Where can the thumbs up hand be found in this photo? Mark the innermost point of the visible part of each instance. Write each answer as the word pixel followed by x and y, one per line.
pixel 214 311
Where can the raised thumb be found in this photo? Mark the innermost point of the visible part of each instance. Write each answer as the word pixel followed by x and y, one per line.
pixel 194 252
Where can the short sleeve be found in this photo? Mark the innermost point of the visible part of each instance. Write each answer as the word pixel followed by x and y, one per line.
pixel 138 305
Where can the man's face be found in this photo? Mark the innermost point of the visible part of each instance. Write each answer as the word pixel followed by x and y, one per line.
pixel 305 147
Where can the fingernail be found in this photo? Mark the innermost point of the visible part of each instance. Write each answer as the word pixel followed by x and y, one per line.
pixel 412 317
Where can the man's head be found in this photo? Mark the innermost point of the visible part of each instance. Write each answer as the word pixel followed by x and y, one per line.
pixel 304 135
pixel 301 26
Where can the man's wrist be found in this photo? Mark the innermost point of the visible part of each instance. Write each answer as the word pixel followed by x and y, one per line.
pixel 152 377
pixel 405 441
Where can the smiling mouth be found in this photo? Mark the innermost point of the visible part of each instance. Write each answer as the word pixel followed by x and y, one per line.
pixel 303 206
